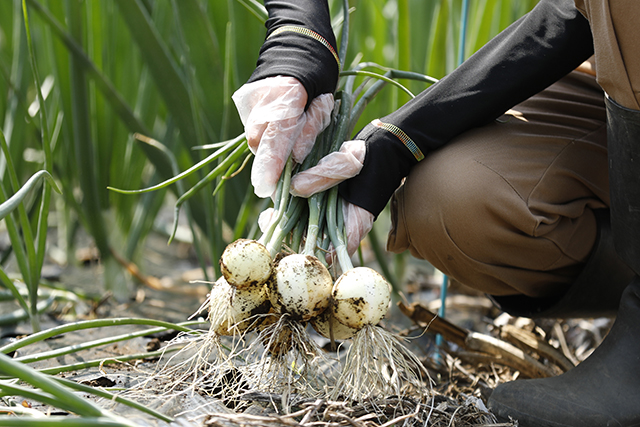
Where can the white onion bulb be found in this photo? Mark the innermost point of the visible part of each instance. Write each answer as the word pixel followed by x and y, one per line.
pixel 300 286
pixel 246 262
pixel 362 297
pixel 236 306
pixel 323 327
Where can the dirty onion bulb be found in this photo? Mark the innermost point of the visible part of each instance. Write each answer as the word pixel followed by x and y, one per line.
pixel 240 294
pixel 245 262
pixel 361 296
pixel 237 306
pixel 301 286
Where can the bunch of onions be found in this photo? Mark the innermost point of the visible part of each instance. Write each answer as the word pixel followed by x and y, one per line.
pixel 300 290
pixel 278 295
pixel 284 356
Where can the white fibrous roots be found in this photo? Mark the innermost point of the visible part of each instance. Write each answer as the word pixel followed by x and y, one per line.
pixel 285 359
pixel 204 363
pixel 245 262
pixel 378 365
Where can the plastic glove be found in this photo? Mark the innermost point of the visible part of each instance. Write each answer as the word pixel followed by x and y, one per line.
pixel 265 218
pixel 331 170
pixel 277 125
pixel 357 222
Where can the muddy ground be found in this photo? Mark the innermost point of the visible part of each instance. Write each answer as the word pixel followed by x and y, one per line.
pixel 463 378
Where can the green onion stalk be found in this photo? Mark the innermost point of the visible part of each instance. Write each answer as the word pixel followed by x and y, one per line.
pixel 287 210
pixel 52 392
pixel 227 152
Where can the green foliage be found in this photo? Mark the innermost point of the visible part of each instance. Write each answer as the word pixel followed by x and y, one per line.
pixel 60 393
pixel 161 69
pixel 421 36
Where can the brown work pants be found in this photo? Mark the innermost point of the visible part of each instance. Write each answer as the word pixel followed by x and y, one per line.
pixel 507 208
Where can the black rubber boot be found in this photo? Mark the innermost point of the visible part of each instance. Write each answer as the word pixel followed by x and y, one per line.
pixel 623 140
pixel 604 390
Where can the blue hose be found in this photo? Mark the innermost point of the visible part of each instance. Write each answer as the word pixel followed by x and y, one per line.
pixel 445 279
pixel 463 31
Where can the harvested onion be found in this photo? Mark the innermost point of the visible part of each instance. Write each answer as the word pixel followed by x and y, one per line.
pixel 246 262
pixel 328 327
pixel 239 306
pixel 362 297
pixel 300 286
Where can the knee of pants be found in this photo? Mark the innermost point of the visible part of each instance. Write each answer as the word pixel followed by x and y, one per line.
pixel 470 223
pixel 451 202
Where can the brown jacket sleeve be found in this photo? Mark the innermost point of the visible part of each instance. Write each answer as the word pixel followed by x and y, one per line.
pixel 614 25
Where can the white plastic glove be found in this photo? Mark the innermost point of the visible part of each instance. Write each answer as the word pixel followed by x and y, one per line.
pixel 265 218
pixel 357 222
pixel 331 170
pixel 276 125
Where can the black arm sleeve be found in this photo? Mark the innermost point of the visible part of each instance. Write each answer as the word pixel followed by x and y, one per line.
pixel 290 53
pixel 535 51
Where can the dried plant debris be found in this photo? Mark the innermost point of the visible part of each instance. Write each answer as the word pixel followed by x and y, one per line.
pixel 439 411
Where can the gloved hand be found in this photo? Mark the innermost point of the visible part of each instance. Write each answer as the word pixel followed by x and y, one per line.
pixel 330 171
pixel 277 125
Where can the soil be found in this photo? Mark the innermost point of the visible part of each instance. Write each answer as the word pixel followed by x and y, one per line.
pixel 462 380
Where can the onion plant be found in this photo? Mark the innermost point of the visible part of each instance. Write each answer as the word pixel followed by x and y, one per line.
pixel 29 241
